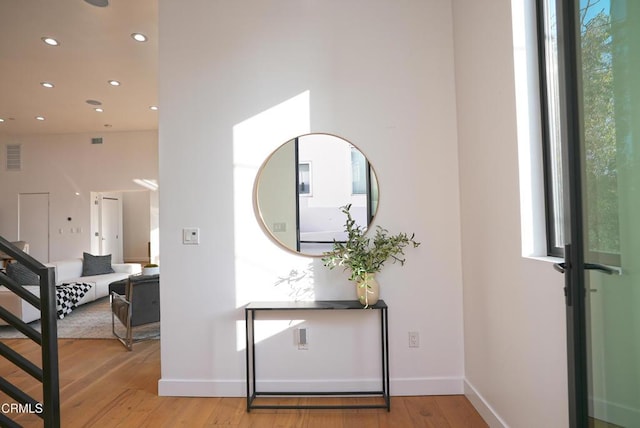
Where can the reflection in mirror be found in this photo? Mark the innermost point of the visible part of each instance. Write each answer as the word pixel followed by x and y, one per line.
pixel 300 188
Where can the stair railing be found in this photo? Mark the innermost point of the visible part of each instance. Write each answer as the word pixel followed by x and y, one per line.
pixel 47 339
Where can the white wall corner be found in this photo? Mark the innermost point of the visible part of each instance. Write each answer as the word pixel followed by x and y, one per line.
pixel 482 406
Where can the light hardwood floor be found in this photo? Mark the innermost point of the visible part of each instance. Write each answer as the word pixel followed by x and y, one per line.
pixel 102 385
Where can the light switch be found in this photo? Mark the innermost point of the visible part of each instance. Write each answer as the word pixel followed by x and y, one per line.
pixel 191 236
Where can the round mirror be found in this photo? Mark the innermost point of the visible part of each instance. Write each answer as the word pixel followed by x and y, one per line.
pixel 302 185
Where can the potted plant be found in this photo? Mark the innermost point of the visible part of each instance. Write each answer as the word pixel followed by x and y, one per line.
pixel 150 269
pixel 364 256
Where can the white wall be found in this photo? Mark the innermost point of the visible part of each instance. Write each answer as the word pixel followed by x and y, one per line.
pixel 515 342
pixel 66 164
pixel 331 188
pixel 237 79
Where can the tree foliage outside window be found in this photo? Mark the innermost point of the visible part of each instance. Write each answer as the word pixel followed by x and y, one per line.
pixel 599 146
pixel 601 180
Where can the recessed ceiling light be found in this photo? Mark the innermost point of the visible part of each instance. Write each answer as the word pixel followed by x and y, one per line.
pixel 99 3
pixel 1 120
pixel 98 109
pixel 139 37
pixel 153 108
pixel 94 102
pixel 47 84
pixel 114 83
pixel 40 118
pixel 51 41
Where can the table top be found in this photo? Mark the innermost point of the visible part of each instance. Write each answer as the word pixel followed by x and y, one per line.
pixel 312 305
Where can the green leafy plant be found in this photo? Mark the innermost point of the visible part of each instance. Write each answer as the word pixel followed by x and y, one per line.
pixel 363 255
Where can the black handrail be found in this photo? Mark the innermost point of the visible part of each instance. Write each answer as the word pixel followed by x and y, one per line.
pixel 47 339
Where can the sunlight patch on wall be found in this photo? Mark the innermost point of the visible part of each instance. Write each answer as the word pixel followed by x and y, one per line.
pixel 261 267
pixel 147 183
pixel 265 329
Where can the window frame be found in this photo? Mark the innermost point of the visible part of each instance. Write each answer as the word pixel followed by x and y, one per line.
pixel 547 158
pixel 607 258
pixel 309 191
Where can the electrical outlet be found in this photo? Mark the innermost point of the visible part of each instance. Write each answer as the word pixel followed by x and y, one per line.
pixel 303 339
pixel 279 227
pixel 414 339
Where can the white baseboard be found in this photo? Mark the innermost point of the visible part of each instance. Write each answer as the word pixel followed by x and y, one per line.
pixel 427 386
pixel 615 413
pixel 201 388
pixel 486 411
pixel 238 388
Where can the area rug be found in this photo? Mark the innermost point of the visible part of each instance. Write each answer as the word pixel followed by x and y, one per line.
pixel 89 321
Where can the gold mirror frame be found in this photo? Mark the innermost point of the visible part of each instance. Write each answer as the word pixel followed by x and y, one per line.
pixel 301 186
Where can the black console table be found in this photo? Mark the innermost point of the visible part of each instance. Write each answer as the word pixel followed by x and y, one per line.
pixel 250 313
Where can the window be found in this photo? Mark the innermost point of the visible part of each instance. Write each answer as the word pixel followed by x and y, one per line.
pixel 358 172
pixel 598 129
pixel 304 178
pixel 550 102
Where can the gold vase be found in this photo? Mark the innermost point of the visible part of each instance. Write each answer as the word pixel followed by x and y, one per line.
pixel 368 290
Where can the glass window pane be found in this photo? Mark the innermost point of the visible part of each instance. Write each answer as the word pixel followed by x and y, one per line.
pixel 551 110
pixel 358 172
pixel 599 128
pixel 304 179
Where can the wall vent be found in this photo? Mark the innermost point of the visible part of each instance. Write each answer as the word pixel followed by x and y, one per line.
pixel 14 157
pixel 97 140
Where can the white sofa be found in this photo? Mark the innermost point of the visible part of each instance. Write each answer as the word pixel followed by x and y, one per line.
pixel 67 271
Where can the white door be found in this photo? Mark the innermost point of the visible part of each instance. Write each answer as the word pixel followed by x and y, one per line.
pixel 111 228
pixel 33 224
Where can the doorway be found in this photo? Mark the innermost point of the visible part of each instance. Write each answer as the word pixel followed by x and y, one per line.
pixel 125 224
pixel 601 56
pixel 108 234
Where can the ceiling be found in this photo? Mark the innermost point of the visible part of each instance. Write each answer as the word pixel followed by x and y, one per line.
pixel 95 46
